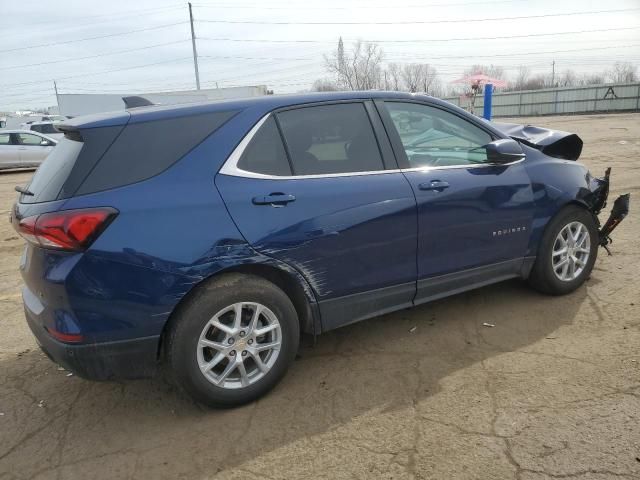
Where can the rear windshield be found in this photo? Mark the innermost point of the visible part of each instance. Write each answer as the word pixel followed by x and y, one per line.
pixel 53 172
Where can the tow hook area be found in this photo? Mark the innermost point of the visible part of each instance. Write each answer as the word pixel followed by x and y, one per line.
pixel 618 212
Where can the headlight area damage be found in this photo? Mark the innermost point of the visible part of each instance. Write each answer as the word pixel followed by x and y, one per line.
pixel 568 146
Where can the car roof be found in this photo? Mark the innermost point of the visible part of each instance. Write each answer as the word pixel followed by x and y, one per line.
pixel 263 104
pixel 268 102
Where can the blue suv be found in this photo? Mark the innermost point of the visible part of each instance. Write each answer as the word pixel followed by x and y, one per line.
pixel 208 238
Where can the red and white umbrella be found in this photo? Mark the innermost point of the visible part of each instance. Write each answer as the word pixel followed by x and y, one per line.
pixel 479 79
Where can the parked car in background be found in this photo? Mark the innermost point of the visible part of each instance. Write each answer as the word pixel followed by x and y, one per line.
pixel 14 122
pixel 207 237
pixel 24 149
pixel 47 128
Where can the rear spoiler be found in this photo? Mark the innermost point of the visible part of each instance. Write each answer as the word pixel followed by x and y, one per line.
pixel 70 131
pixel 554 143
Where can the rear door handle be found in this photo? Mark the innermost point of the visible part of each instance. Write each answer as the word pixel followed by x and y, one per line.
pixel 274 199
pixel 437 185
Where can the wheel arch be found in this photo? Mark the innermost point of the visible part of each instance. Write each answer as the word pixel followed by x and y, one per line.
pixel 290 282
pixel 560 206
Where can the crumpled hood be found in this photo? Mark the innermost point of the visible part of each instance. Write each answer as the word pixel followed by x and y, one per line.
pixel 554 143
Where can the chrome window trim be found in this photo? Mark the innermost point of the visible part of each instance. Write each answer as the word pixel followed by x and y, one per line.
pixel 231 168
pixel 471 165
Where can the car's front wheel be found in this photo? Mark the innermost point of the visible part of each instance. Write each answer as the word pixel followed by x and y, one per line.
pixel 233 340
pixel 567 252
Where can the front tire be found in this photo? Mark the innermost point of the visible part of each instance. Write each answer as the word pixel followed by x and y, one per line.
pixel 567 252
pixel 233 340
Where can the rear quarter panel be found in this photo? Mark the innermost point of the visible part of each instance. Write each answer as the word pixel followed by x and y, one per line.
pixel 172 232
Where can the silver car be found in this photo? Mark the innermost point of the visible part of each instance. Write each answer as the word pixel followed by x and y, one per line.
pixel 21 148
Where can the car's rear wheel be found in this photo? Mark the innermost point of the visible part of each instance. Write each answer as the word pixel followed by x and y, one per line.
pixel 233 340
pixel 567 252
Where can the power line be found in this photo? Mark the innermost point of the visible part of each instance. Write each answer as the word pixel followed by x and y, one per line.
pixel 120 13
pixel 93 38
pixel 234 57
pixel 535 53
pixel 96 56
pixel 460 39
pixel 420 22
pixel 395 6
pixel 103 72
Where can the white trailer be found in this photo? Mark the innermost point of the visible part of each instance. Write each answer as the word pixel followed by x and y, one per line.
pixel 72 104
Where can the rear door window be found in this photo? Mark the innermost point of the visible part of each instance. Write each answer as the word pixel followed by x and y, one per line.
pixel 265 154
pixel 330 139
pixel 5 139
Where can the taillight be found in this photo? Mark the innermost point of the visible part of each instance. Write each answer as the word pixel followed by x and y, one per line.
pixel 67 229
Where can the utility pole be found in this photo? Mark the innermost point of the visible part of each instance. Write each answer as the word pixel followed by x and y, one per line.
pixel 195 52
pixel 553 73
pixel 55 87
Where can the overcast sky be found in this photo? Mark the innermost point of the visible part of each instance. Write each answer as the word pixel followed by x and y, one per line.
pixel 47 40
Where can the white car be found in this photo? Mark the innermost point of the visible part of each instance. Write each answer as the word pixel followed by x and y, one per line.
pixel 23 148
pixel 48 128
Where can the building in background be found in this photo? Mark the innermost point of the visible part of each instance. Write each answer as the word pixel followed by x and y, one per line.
pixel 72 104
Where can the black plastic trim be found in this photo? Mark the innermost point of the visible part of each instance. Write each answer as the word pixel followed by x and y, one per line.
pixel 341 311
pixel 433 288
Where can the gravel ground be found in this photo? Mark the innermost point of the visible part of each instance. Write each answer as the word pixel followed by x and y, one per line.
pixel 552 391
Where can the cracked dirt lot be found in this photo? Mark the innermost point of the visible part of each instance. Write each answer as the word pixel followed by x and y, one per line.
pixel 552 391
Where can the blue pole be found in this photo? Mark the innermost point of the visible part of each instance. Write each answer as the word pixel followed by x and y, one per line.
pixel 488 95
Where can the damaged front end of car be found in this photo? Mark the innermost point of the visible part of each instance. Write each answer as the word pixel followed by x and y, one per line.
pixel 568 146
pixel 618 212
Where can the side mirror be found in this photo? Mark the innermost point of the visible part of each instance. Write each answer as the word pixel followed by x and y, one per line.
pixel 44 143
pixel 504 150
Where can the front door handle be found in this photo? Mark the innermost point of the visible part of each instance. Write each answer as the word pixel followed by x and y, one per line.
pixel 437 185
pixel 274 199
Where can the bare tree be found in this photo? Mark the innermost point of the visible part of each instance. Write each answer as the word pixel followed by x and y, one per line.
pixel 592 79
pixel 430 78
pixel 522 77
pixel 412 76
pixel 494 71
pixel 359 69
pixel 535 83
pixel 324 85
pixel 393 77
pixel 568 78
pixel 623 72
pixel 419 77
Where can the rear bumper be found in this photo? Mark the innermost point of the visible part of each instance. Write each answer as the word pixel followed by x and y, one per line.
pixel 136 358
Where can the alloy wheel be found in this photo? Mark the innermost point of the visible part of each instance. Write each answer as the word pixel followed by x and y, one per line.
pixel 239 345
pixel 571 251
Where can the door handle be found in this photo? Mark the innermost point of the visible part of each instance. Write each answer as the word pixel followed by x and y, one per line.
pixel 274 199
pixel 437 185
pixel 22 148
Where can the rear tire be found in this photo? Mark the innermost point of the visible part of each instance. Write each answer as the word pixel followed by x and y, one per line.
pixel 567 252
pixel 233 340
